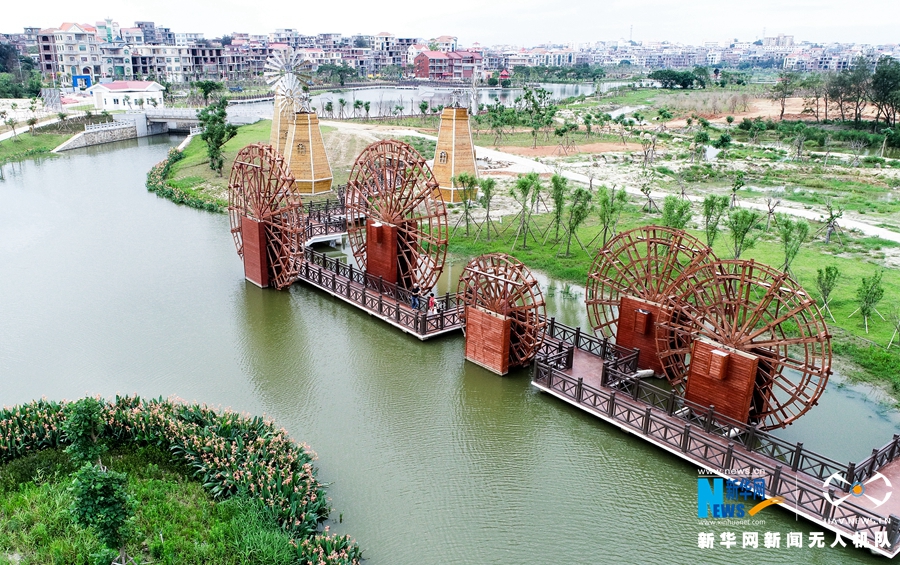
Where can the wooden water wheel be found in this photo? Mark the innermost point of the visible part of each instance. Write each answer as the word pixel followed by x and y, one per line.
pixel 758 315
pixel 506 299
pixel 630 282
pixel 397 221
pixel 266 217
pixel 643 263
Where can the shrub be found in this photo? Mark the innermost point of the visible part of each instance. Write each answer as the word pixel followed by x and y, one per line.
pixel 231 454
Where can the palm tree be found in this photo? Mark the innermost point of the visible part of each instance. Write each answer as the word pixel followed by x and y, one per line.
pixel 329 107
pixel 341 103
pixel 357 106
pixel 367 105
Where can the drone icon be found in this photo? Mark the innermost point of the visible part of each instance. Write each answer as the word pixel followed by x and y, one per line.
pixel 856 489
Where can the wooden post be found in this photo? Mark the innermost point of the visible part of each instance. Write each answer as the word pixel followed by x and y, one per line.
pixel 380 302
pixel 319 271
pixel 604 378
pixel 446 301
pixel 636 383
pixel 686 438
pixel 611 405
pixel 893 529
pixel 874 461
pixel 570 357
pixel 646 427
pixel 851 473
pixel 577 336
pixel 827 507
pixel 423 321
pixel 380 284
pixel 363 297
pixel 893 452
pixel 670 402
pixel 729 453
pixel 579 389
pixel 751 438
pixel 333 281
pixel 707 426
pixel 776 481
pixel 798 454
pixel 552 327
pixel 397 311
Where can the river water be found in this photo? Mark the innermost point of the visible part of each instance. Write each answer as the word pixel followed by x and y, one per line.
pixel 108 289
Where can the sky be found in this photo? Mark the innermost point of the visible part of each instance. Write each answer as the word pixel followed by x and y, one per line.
pixel 514 22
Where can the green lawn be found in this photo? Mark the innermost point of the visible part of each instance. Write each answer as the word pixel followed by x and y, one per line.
pixel 177 521
pixel 193 175
pixel 27 145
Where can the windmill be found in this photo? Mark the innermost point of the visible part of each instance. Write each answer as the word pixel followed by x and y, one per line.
pixel 295 126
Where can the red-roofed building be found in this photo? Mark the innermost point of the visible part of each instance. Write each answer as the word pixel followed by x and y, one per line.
pixel 140 93
pixel 453 65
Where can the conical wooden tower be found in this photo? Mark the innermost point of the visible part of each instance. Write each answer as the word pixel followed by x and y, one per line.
pixel 296 136
pixel 455 152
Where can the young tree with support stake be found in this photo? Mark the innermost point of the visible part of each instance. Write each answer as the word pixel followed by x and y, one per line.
pixel 714 208
pixel 468 188
pixel 526 191
pixel 488 185
pixel 559 189
pixel 792 234
pixel 740 223
pixel 676 213
pixel 826 281
pixel 868 295
pixel 579 209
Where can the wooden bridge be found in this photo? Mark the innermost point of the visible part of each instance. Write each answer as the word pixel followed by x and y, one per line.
pixel 598 377
pixel 388 302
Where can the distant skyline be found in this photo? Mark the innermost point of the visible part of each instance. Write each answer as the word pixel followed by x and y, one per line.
pixel 520 22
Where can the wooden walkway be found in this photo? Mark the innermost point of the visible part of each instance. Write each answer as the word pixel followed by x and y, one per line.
pixel 388 302
pixel 812 485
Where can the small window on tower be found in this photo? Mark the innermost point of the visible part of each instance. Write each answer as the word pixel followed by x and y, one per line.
pixel 443 157
pixel 301 149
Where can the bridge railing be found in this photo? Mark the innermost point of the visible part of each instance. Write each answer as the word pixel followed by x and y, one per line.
pixel 867 468
pixel 107 125
pixel 375 294
pixel 711 439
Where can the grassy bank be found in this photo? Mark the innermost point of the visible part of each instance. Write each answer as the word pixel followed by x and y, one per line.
pixel 178 522
pixel 27 145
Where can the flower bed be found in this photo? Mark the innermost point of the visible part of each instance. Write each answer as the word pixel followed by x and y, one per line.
pixel 230 453
pixel 156 182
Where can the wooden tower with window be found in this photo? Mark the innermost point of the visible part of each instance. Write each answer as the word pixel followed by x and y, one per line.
pixel 455 152
pixel 295 127
pixel 296 136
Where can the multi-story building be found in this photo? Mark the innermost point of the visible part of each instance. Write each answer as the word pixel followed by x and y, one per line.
pixel 70 52
pixel 186 39
pixel 452 65
pixel 168 62
pixel 208 63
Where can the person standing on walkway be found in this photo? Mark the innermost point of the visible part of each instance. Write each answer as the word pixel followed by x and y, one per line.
pixel 414 296
pixel 432 304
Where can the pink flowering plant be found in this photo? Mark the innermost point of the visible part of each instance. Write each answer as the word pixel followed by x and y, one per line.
pixel 230 453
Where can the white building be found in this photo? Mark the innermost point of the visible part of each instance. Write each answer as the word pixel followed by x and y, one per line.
pixel 127 95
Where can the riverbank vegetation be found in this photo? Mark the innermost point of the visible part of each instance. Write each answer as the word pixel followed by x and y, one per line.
pixel 206 487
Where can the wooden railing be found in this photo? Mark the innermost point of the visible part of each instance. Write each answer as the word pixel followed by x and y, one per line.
pixel 867 468
pixel 710 439
pixel 621 359
pixel 374 294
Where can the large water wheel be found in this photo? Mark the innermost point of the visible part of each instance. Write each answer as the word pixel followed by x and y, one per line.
pixel 761 318
pixel 504 314
pixel 630 281
pixel 397 220
pixel 266 217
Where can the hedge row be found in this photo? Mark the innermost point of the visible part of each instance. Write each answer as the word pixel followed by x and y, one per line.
pixel 230 453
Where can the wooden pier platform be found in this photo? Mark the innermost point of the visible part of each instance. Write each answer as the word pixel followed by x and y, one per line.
pixel 852 499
